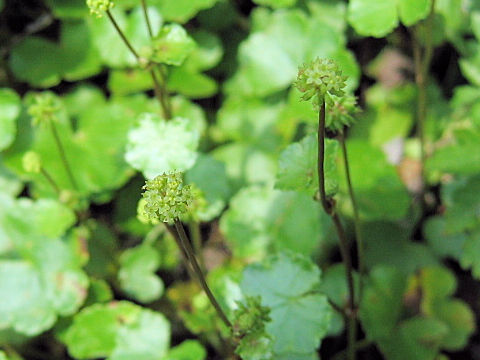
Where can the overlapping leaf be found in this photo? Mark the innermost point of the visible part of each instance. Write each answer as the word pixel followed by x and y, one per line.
pixel 40 275
pixel 118 331
pixel 156 146
pixel 300 316
pixel 137 273
pixel 261 218
pixel 363 15
pixel 270 56
pixel 298 164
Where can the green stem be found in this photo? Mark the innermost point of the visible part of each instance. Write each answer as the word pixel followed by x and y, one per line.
pixel 159 87
pixel 198 272
pixel 122 35
pixel 356 217
pixel 147 18
pixel 63 156
pixel 161 95
pixel 50 180
pixel 329 207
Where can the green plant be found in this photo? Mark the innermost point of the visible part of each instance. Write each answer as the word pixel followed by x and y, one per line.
pixel 256 180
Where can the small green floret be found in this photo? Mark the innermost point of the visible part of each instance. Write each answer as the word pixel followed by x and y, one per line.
pixel 44 108
pixel 31 162
pixel 166 197
pixel 98 7
pixel 319 77
pixel 341 111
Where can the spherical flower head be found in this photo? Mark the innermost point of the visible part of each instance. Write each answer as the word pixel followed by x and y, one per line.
pixel 98 7
pixel 44 108
pixel 341 111
pixel 166 197
pixel 319 77
pixel 31 162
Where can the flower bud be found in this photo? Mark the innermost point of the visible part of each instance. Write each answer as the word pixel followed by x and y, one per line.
pixel 340 111
pixel 31 162
pixel 166 197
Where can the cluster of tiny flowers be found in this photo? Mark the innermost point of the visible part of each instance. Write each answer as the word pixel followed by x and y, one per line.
pixel 197 205
pixel 319 77
pixel 166 197
pixel 340 111
pixel 250 316
pixel 43 109
pixel 31 162
pixel 98 7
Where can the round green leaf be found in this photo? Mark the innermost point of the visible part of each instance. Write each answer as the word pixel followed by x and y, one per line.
pixel 35 60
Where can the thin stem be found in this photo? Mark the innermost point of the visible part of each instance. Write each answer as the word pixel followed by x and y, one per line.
pixel 122 35
pixel 50 180
pixel 329 207
pixel 356 217
pixel 196 235
pixel 63 156
pixel 159 86
pixel 198 272
pixel 344 250
pixel 147 18
pixel 161 95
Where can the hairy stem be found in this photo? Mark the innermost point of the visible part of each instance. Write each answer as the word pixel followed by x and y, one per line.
pixel 422 59
pixel 329 207
pixel 198 272
pixel 50 180
pixel 63 156
pixel 356 217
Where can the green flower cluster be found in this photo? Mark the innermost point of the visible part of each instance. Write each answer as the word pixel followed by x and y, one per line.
pixel 341 111
pixel 44 108
pixel 98 7
pixel 166 197
pixel 319 78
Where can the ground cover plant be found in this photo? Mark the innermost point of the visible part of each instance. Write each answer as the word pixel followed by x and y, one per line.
pixel 233 179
